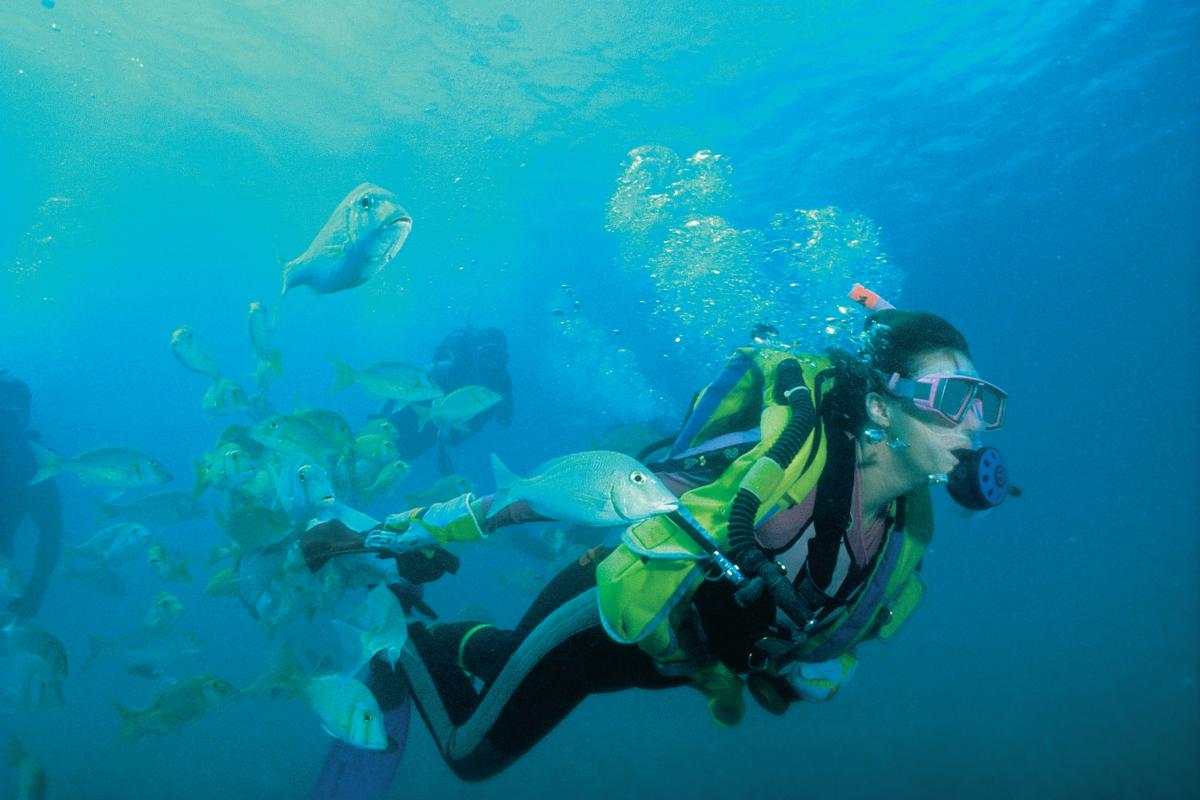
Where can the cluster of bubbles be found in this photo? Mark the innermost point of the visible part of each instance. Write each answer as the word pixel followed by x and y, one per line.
pixel 714 282
pixel 53 223
pixel 603 379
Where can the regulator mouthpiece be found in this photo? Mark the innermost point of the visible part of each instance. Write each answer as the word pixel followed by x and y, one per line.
pixel 980 481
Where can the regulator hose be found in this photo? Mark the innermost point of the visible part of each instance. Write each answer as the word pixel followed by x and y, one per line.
pixel 744 549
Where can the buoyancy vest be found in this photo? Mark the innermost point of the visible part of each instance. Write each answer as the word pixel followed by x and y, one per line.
pixel 646 584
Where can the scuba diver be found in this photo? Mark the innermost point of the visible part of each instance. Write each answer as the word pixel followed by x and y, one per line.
pixel 17 499
pixel 467 356
pixel 805 509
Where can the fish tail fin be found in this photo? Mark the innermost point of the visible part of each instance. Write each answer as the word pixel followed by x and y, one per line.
pixel 129 721
pixel 286 674
pixel 201 482
pixel 424 414
pixel 505 479
pixel 49 463
pixel 345 375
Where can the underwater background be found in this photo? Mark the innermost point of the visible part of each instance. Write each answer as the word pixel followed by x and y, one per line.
pixel 1026 169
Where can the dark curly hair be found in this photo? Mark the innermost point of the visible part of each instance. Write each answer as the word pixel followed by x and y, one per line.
pixel 893 341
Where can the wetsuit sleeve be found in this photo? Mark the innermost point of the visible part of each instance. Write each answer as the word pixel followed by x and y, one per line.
pixel 45 509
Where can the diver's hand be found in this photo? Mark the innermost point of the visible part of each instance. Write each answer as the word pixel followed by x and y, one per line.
pixel 440 523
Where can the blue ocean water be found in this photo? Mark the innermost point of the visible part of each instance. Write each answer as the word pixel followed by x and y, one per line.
pixel 1028 170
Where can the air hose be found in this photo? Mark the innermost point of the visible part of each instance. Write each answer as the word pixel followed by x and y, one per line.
pixel 763 572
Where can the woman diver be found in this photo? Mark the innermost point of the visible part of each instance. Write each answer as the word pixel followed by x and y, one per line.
pixel 804 512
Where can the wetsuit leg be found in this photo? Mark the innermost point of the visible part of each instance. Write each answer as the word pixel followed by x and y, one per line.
pixel 533 676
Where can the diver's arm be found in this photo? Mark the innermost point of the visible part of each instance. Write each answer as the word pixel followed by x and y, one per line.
pixel 45 509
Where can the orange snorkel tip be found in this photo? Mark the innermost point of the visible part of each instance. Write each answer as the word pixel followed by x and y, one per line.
pixel 868 299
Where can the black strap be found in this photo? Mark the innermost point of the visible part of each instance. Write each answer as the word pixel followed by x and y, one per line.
pixel 831 513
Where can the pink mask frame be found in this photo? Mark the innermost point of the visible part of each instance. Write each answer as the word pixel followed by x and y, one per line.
pixel 951 396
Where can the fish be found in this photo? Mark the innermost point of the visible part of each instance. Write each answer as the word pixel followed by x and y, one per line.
pixel 228 467
pixel 145 652
pixel 292 434
pixel 394 380
pixel 386 480
pixel 38 642
pixel 156 508
pixel 374 447
pixel 347 709
pixel 361 237
pixel 381 426
pixel 31 776
pixel 115 467
pixel 165 566
pixel 330 424
pixel 269 357
pixel 376 627
pixel 163 613
pixel 28 682
pixel 455 409
pixel 223 583
pixel 193 354
pixel 12 585
pixel 254 526
pixel 441 490
pixel 112 546
pixel 595 487
pixel 303 488
pixel 225 398
pixel 175 706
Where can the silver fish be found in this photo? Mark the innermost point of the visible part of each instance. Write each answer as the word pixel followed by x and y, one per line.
pixel 193 354
pixel 362 235
pixel 595 487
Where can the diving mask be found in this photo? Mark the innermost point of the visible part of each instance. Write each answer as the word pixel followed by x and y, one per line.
pixel 952 396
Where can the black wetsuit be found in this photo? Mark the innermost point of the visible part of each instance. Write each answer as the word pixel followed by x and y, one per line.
pixel 41 502
pixel 536 674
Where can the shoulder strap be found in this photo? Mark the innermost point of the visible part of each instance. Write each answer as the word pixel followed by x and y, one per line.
pixel 831 513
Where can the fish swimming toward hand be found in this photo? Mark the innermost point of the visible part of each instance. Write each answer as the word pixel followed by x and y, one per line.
pixel 595 487
pixel 175 706
pixel 346 708
pixel 361 237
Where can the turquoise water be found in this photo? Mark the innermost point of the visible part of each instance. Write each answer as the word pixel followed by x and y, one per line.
pixel 1028 170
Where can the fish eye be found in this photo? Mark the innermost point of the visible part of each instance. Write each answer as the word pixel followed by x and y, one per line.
pixel 637 477
pixel 368 716
pixel 365 202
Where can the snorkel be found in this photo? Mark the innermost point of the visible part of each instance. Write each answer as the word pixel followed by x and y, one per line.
pixel 980 480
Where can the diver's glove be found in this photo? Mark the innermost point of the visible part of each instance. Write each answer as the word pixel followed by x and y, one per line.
pixel 419 528
pixel 819 681
pixel 723 689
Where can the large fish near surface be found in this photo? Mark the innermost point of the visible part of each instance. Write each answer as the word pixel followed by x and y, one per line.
pixel 360 238
pixel 596 487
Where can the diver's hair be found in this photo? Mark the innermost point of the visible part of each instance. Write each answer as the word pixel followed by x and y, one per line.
pixel 892 341
pixel 13 391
